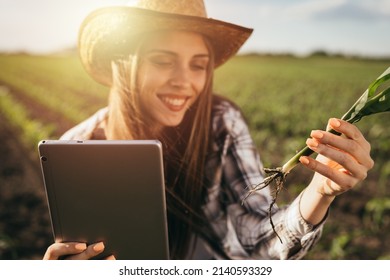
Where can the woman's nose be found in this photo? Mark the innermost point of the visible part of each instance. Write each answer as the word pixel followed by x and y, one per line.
pixel 180 77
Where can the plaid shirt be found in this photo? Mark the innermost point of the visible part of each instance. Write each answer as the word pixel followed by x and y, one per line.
pixel 234 165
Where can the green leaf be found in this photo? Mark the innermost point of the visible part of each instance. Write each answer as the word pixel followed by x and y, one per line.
pixel 371 102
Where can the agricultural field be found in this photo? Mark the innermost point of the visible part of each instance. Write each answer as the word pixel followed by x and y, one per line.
pixel 282 97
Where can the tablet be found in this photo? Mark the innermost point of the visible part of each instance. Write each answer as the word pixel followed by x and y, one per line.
pixel 110 191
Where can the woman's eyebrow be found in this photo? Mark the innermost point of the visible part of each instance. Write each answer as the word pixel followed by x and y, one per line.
pixel 161 51
pixel 206 55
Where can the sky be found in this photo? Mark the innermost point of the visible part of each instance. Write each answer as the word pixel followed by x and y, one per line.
pixel 351 27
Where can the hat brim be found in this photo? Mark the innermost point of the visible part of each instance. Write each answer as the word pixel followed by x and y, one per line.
pixel 110 33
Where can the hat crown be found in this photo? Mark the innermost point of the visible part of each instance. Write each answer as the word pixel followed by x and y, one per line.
pixel 182 7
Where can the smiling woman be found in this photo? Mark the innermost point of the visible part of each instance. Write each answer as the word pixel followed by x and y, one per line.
pixel 171 76
pixel 158 58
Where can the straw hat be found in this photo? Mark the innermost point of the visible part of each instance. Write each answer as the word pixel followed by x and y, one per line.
pixel 110 33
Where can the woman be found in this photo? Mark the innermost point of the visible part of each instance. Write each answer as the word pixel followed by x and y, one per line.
pixel 158 59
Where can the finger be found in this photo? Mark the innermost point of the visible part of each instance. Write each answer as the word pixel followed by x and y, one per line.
pixel 350 131
pixel 342 158
pixel 58 249
pixel 360 152
pixel 91 251
pixel 342 178
pixel 111 257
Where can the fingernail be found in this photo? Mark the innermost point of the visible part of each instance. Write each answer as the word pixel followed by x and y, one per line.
pixel 334 122
pixel 98 247
pixel 312 143
pixel 304 160
pixel 81 246
pixel 316 134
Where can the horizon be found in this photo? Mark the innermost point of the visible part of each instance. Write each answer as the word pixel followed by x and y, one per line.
pixel 73 51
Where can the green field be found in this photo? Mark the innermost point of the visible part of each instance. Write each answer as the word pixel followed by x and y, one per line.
pixel 283 99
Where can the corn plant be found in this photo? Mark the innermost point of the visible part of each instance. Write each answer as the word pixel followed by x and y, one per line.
pixel 372 101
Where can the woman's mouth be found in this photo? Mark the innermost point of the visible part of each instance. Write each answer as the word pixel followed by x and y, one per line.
pixel 174 103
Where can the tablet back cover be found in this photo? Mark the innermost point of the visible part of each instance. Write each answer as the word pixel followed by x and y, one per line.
pixel 111 191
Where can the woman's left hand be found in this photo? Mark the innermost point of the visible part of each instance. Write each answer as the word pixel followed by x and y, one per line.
pixel 343 161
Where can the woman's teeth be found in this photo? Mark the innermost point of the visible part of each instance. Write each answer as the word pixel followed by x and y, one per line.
pixel 174 101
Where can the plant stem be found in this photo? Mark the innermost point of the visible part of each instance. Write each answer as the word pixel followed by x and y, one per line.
pixel 294 161
pixel 306 151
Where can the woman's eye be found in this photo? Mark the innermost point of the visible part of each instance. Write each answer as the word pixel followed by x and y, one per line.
pixel 161 62
pixel 199 67
pixel 164 63
pixel 199 64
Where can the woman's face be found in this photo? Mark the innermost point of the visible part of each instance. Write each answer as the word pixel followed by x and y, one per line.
pixel 171 76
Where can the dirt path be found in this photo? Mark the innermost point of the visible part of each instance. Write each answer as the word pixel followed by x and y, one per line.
pixel 24 222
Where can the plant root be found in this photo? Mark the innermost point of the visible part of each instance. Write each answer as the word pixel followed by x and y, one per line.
pixel 276 179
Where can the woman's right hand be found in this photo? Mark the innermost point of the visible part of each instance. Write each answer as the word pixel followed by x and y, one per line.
pixel 74 251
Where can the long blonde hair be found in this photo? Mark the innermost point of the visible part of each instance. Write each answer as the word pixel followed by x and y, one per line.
pixel 124 114
pixel 185 149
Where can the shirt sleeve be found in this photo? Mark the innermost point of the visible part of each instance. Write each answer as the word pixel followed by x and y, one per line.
pixel 241 170
pixel 85 130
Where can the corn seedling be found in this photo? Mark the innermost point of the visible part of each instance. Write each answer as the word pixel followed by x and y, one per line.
pixel 371 102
